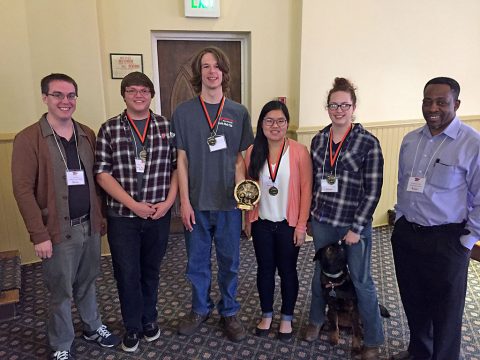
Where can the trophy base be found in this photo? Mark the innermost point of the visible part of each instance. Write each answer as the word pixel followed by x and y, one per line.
pixel 245 207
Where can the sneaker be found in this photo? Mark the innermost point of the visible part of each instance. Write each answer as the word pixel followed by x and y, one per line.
pixel 62 355
pixel 151 332
pixel 102 336
pixel 130 341
pixel 191 323
pixel 312 332
pixel 233 328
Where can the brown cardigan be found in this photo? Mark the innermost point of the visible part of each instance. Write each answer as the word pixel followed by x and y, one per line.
pixel 39 181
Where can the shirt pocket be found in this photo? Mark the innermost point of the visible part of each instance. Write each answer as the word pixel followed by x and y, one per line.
pixel 446 176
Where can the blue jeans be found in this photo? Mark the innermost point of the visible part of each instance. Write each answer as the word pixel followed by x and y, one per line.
pixel 137 247
pixel 223 227
pixel 358 257
pixel 274 249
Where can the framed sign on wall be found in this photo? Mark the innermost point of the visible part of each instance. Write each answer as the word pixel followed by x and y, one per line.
pixel 123 64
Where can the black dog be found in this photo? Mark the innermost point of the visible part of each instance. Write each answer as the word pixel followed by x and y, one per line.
pixel 340 296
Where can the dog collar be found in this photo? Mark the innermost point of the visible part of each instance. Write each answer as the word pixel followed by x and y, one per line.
pixel 333 276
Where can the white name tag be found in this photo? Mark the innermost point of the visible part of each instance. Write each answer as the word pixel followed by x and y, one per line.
pixel 326 187
pixel 140 165
pixel 220 143
pixel 75 177
pixel 416 184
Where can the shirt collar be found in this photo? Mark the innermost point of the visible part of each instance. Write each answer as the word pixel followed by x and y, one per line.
pixel 451 131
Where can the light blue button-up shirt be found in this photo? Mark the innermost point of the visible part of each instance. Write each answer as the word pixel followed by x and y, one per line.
pixel 450 162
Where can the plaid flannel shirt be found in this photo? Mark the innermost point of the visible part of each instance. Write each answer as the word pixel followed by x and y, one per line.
pixel 360 176
pixel 115 154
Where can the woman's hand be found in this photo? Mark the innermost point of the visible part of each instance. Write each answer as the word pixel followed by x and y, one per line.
pixel 351 238
pixel 299 238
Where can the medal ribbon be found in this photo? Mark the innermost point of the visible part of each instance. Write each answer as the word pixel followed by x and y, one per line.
pixel 333 157
pixel 140 136
pixel 274 172
pixel 207 116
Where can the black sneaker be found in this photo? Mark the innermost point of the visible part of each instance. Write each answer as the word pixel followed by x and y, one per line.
pixel 102 336
pixel 130 341
pixel 62 355
pixel 151 332
pixel 233 328
pixel 190 324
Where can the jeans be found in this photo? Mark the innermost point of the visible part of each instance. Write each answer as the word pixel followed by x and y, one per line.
pixel 71 272
pixel 358 258
pixel 223 227
pixel 274 249
pixel 137 246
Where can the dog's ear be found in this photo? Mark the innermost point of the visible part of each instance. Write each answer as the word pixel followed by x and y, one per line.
pixel 317 255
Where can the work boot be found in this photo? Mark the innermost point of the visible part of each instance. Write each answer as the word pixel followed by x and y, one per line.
pixel 233 328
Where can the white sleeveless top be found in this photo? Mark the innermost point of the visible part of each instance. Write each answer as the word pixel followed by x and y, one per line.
pixel 274 208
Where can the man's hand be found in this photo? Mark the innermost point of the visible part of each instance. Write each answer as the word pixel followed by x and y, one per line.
pixel 44 249
pixel 143 210
pixel 161 209
pixel 103 227
pixel 188 216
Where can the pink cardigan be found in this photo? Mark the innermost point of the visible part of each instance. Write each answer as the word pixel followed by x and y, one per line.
pixel 299 187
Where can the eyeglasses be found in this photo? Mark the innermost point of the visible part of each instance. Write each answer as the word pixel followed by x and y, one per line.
pixel 133 92
pixel 269 121
pixel 60 96
pixel 335 106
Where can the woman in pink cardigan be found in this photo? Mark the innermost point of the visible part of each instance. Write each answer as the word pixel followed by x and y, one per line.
pixel 283 169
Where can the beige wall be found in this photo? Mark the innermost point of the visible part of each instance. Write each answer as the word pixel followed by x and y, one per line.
pixel 389 49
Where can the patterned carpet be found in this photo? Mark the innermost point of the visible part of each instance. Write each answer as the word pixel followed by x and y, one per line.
pixel 25 337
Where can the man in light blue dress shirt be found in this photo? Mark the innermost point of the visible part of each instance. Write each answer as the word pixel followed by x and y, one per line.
pixel 437 223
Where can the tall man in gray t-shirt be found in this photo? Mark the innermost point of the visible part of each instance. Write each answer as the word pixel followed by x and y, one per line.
pixel 211 132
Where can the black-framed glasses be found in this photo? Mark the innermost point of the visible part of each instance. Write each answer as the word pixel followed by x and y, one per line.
pixel 335 106
pixel 134 92
pixel 60 96
pixel 269 121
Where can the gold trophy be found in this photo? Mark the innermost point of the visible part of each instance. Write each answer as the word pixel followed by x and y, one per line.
pixel 247 194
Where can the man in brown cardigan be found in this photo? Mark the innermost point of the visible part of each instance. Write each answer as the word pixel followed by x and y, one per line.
pixel 53 184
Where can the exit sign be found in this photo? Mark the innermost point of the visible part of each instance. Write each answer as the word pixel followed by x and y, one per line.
pixel 202 8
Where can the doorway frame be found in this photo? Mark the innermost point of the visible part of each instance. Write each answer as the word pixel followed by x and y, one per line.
pixel 243 37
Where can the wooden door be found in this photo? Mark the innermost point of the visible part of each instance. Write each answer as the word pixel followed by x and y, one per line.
pixel 174 72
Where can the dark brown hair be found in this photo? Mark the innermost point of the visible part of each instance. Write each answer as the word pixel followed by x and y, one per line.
pixel 45 82
pixel 223 65
pixel 136 78
pixel 342 84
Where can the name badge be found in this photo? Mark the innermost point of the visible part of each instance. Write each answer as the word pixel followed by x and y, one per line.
pixel 330 188
pixel 220 143
pixel 140 165
pixel 416 184
pixel 75 177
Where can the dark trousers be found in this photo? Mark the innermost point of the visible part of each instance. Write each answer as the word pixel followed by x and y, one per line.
pixel 274 249
pixel 137 247
pixel 431 266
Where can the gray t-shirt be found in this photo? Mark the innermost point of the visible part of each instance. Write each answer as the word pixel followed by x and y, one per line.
pixel 211 175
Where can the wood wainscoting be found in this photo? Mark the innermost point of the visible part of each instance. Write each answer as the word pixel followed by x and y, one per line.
pixel 390 135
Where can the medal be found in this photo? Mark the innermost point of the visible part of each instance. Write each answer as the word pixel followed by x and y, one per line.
pixel 273 191
pixel 211 141
pixel 331 179
pixel 332 293
pixel 143 155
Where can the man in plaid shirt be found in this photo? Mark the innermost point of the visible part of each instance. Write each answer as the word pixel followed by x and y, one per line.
pixel 136 166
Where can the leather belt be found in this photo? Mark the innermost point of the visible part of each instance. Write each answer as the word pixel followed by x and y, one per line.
pixel 79 220
pixel 438 228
